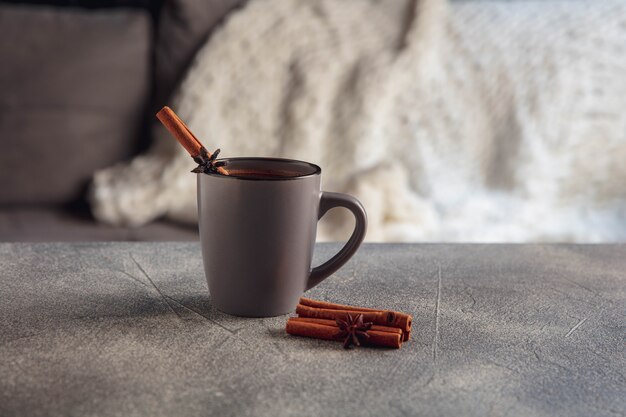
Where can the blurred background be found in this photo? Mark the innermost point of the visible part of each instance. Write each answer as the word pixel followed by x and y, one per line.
pixel 516 132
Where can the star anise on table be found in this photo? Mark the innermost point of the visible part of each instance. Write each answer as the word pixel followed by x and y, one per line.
pixel 207 164
pixel 351 329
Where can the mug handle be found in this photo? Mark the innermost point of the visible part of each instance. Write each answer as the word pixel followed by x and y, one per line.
pixel 328 201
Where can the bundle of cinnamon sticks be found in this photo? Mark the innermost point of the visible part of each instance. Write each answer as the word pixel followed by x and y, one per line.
pixel 355 325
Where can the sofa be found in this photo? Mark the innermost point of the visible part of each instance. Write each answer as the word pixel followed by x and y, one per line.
pixel 80 82
pixel 518 138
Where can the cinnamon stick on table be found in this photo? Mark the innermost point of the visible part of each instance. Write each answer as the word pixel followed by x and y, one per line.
pixel 330 331
pixel 385 329
pixel 325 310
pixel 381 318
pixel 184 136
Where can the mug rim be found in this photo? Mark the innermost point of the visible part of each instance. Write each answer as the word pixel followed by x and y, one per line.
pixel 316 169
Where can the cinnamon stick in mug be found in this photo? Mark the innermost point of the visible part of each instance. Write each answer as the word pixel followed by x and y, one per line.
pixel 184 135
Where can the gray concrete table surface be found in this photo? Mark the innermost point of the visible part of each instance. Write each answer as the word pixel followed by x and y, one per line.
pixel 128 329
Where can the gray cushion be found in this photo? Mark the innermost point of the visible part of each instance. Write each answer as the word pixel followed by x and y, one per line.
pixel 183 26
pixel 74 89
pixel 54 224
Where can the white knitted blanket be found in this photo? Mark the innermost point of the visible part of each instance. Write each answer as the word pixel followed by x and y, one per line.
pixel 471 121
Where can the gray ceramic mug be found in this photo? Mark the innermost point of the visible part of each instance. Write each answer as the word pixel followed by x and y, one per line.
pixel 258 228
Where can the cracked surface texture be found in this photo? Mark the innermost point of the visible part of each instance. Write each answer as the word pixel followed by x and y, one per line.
pixel 119 329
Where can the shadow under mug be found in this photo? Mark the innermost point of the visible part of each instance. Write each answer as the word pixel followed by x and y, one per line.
pixel 257 231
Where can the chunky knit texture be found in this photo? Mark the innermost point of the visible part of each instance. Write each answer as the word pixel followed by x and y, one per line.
pixel 472 121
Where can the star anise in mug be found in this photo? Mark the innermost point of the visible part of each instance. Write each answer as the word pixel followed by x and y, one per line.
pixel 351 329
pixel 207 164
